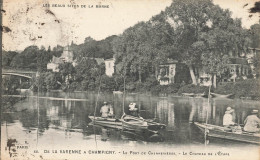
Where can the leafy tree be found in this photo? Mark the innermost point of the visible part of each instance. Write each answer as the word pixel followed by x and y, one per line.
pixel 205 32
pixel 141 48
pixel 7 58
pixel 88 72
pixel 26 59
pixel 67 72
pixel 255 35
pixel 52 80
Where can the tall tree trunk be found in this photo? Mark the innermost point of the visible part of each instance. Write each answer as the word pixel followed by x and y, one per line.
pixel 214 81
pixel 140 74
pixel 156 72
pixel 193 77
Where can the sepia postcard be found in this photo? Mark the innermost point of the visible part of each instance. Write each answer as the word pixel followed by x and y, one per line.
pixel 130 79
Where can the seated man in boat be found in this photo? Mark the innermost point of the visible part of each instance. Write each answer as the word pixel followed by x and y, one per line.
pixel 228 117
pixel 252 122
pixel 133 110
pixel 104 110
pixel 111 111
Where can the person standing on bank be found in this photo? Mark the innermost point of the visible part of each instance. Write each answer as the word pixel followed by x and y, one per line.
pixel 252 122
pixel 228 117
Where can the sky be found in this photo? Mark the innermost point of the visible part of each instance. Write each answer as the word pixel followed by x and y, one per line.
pixel 32 22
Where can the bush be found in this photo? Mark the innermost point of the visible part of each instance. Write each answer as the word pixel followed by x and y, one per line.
pixel 243 88
pixel 247 88
pixel 108 84
pixel 155 90
pixel 191 88
pixel 225 88
pixel 172 88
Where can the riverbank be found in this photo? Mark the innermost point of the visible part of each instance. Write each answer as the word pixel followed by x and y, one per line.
pixel 246 90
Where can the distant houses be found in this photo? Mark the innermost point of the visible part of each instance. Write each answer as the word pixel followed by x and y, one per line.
pixel 66 56
pixel 237 68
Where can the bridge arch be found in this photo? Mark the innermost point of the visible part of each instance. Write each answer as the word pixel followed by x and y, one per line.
pixel 17 74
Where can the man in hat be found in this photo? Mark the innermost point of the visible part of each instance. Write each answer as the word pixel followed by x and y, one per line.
pixel 104 110
pixel 228 118
pixel 133 110
pixel 252 122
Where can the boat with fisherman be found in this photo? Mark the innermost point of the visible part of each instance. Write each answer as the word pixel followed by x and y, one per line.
pixel 131 122
pixel 128 122
pixel 228 134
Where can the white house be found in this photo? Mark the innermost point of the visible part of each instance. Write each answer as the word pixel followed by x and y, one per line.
pixel 110 66
pixel 167 72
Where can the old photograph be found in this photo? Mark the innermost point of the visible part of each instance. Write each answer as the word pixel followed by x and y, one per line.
pixel 130 79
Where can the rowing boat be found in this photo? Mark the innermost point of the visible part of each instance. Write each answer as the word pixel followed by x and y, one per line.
pixel 226 133
pixel 139 124
pixel 128 122
pixel 106 122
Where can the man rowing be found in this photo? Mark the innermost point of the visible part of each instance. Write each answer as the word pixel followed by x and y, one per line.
pixel 133 110
pixel 107 110
pixel 252 122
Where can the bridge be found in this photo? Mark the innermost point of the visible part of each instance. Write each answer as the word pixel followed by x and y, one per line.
pixel 23 76
pixel 19 73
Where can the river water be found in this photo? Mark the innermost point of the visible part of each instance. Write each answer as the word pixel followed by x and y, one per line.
pixel 56 120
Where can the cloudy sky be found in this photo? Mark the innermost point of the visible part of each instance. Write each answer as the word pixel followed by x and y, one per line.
pixel 31 24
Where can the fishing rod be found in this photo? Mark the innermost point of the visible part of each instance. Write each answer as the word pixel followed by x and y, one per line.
pixel 96 106
pixel 124 95
pixel 207 115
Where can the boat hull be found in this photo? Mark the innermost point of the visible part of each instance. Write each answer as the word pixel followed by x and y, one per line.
pixel 226 133
pixel 140 125
pixel 106 122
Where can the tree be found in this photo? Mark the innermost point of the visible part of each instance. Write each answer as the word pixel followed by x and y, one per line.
pixel 26 59
pixel 7 58
pixel 206 33
pixel 141 48
pixel 67 72
pixel 88 73
pixel 255 35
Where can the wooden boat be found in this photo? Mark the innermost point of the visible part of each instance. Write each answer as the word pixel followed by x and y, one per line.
pixel 106 122
pixel 193 94
pixel 226 133
pixel 117 92
pixel 139 124
pixel 221 95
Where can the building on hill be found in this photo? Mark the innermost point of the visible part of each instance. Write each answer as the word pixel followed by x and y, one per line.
pixel 237 68
pixel 54 64
pixel 167 72
pixel 110 66
pixel 66 56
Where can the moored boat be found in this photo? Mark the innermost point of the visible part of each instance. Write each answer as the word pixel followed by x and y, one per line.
pixel 139 124
pixel 226 133
pixel 106 122
pixel 221 95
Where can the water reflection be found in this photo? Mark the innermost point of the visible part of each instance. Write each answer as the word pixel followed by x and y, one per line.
pixel 165 113
pixel 67 119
